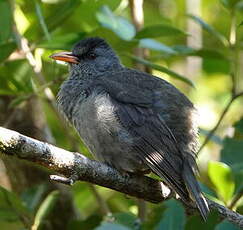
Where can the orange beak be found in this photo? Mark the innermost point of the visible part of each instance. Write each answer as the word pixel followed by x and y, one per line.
pixel 65 56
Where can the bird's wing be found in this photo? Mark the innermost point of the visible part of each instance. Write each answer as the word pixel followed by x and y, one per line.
pixel 136 108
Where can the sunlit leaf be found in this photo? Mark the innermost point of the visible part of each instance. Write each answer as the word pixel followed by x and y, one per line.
pixel 155 45
pixel 209 29
pixel 159 31
pixel 174 217
pixel 163 69
pixel 119 25
pixel 221 176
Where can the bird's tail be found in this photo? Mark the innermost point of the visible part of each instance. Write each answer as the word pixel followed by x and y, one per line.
pixel 194 190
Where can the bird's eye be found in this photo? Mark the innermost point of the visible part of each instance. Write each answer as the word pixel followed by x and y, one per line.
pixel 91 56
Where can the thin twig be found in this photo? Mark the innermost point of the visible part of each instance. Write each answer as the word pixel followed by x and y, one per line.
pixel 234 69
pixel 220 120
pixel 210 134
pixel 236 198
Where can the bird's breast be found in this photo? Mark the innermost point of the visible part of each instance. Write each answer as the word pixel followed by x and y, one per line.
pixel 96 122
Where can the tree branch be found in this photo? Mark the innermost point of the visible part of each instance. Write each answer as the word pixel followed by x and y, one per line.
pixel 75 166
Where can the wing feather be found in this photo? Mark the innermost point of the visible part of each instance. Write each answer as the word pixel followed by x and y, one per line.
pixel 156 145
pixel 140 100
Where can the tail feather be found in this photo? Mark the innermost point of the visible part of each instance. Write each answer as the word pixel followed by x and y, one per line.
pixel 195 191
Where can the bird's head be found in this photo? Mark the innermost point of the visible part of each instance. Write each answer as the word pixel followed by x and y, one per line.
pixel 90 55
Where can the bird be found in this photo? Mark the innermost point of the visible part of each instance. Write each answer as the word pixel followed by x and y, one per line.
pixel 131 120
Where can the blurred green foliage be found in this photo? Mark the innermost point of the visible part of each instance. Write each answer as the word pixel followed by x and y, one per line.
pixel 51 25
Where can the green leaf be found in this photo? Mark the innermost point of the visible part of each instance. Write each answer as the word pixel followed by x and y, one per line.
pixel 126 219
pixel 210 29
pixel 6 49
pixel 212 66
pixel 155 45
pixel 33 196
pixel 231 154
pixel 226 225
pixel 174 217
pixel 42 20
pixel 5 20
pixel 12 225
pixel 7 92
pixel 62 13
pixel 119 25
pixel 230 4
pixel 232 151
pixel 162 69
pixel 159 31
pixel 18 100
pixel 88 10
pixel 183 50
pixel 11 207
pixel 88 224
pixel 239 6
pixel 196 222
pixel 111 226
pixel 207 53
pixel 221 176
pixel 62 42
pixel 45 208
pixel 239 127
pixel 204 53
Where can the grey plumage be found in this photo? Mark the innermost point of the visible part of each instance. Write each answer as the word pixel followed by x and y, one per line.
pixel 131 120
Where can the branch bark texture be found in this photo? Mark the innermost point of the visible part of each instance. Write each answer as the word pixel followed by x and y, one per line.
pixel 78 167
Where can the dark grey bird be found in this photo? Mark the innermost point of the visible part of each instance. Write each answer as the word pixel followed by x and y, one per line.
pixel 131 120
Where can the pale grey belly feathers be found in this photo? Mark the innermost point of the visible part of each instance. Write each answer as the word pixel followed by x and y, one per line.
pixel 96 122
